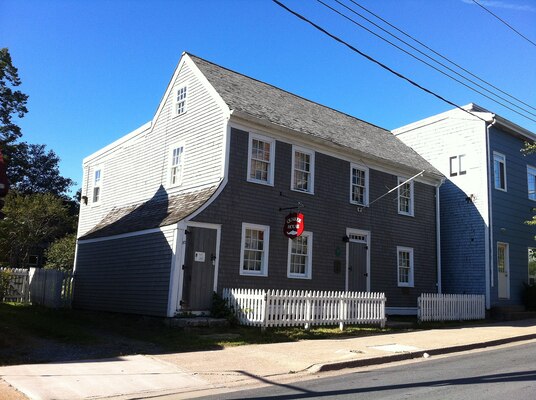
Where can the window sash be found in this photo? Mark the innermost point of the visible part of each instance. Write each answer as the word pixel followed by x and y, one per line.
pixel 299 257
pixel 177 161
pixel 405 266
pixel 359 186
pixel 254 257
pixel 302 171
pixel 405 198
pixel 181 100
pixel 531 182
pixel 499 171
pixel 532 265
pixel 261 158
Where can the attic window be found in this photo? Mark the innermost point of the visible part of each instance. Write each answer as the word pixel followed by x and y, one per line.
pixel 180 100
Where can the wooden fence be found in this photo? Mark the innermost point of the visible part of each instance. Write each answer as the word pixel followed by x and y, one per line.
pixel 268 308
pixel 451 307
pixel 49 288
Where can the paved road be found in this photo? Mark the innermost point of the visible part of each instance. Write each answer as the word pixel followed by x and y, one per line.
pixel 507 373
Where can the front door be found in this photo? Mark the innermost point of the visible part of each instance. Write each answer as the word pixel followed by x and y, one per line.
pixel 357 263
pixel 198 270
pixel 503 270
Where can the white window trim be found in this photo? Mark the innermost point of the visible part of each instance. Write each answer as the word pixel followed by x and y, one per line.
pixel 455 165
pixel 271 169
pixel 503 157
pixel 170 160
pixel 532 171
pixel 311 153
pixel 175 100
pixel 366 170
pixel 309 267
pixel 411 212
pixel 411 266
pixel 264 269
pixel 100 185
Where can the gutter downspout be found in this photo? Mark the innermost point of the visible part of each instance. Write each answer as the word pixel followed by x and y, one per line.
pixel 489 242
pixel 438 239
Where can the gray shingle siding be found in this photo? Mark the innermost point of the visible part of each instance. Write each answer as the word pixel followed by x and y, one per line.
pixel 327 214
pixel 129 275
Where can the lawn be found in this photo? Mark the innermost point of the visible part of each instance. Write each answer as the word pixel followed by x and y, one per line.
pixel 31 334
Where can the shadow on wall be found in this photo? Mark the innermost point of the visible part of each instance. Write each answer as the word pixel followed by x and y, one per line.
pixel 127 274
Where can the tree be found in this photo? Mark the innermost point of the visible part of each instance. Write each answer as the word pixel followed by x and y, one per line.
pixel 31 221
pixel 12 103
pixel 530 148
pixel 60 254
pixel 35 170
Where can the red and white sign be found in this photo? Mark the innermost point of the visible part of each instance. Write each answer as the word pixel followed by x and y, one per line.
pixel 293 225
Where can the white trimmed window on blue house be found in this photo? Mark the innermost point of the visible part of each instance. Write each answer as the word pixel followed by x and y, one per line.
pixel 254 249
pixel 359 185
pixel 531 182
pixel 499 171
pixel 303 169
pixel 300 256
pixel 261 159
pixel 405 266
pixel 405 197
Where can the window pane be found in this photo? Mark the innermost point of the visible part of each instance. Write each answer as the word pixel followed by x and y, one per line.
pixel 453 166
pixel 299 257
pixel 463 171
pixel 358 185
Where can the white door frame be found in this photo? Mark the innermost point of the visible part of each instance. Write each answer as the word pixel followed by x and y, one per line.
pixel 181 254
pixel 506 270
pixel 359 232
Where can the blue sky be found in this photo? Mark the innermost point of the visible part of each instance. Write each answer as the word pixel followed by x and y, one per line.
pixel 96 70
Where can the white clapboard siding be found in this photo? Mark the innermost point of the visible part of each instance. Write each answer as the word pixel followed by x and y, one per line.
pixel 134 169
pixel 268 308
pixel 451 307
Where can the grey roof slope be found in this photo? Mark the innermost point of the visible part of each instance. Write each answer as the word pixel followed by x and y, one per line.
pixel 159 211
pixel 267 102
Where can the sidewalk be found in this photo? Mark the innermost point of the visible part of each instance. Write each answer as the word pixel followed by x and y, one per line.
pixel 195 372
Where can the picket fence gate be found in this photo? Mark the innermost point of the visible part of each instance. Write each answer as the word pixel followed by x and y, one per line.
pixel 17 287
pixel 267 308
pixel 49 288
pixel 451 307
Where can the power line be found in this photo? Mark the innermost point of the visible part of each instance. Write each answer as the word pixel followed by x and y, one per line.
pixel 432 66
pixel 373 60
pixel 506 23
pixel 438 54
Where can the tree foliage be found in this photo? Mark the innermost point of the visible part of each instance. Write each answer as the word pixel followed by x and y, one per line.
pixel 34 169
pixel 60 254
pixel 12 103
pixel 31 221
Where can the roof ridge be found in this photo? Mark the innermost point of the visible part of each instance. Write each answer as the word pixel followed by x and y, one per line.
pixel 286 91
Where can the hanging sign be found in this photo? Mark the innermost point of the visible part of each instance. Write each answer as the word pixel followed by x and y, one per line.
pixel 293 225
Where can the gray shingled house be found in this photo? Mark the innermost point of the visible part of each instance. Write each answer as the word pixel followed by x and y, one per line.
pixel 195 201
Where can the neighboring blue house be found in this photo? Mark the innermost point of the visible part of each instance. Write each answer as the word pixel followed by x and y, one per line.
pixel 486 247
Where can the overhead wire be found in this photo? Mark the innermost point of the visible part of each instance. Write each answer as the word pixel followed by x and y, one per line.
pixel 439 54
pixel 430 65
pixel 506 23
pixel 354 49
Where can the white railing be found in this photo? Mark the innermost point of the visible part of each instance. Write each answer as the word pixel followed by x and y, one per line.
pixel 266 308
pixel 451 307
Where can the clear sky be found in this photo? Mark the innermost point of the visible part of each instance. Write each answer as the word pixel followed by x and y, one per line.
pixel 96 70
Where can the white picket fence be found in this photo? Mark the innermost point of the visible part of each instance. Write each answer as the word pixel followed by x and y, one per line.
pixel 451 307
pixel 267 308
pixel 50 288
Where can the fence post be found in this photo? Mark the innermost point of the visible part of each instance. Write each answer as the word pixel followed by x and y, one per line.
pixel 308 315
pixel 266 299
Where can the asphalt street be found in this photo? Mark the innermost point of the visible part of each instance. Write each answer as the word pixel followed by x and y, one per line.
pixel 505 373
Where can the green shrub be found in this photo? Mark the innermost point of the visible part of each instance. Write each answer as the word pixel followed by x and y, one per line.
pixel 5 277
pixel 220 309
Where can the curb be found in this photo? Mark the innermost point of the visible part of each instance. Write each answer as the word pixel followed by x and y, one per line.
pixel 334 366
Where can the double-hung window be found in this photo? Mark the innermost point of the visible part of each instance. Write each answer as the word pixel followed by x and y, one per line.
pixel 499 171
pixel 254 251
pixel 300 255
pixel 261 159
pixel 180 100
pixel 97 185
pixel 405 197
pixel 176 164
pixel 303 169
pixel 359 185
pixel 405 266
pixel 531 182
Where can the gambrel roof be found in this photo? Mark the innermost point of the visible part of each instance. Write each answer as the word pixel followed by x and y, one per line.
pixel 266 102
